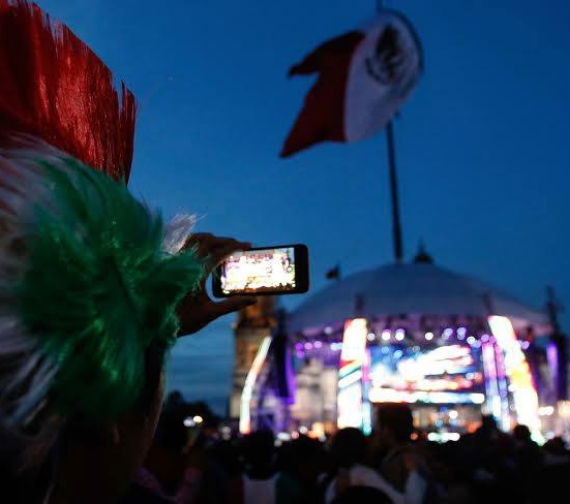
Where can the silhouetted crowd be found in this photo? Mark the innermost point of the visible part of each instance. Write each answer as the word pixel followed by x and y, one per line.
pixel 191 462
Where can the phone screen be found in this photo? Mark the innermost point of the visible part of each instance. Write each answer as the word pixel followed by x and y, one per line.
pixel 263 271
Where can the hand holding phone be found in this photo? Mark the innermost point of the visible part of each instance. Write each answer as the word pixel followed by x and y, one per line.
pixel 197 310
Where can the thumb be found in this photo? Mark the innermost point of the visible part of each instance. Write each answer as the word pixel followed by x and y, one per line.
pixel 233 304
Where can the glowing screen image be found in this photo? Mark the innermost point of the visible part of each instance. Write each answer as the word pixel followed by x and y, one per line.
pixel 349 400
pixel 444 375
pixel 349 404
pixel 254 270
pixel 521 383
pixel 354 340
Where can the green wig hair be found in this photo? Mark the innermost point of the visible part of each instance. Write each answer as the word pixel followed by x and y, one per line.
pixel 89 279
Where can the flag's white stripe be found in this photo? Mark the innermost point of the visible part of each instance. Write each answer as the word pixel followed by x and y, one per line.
pixel 369 104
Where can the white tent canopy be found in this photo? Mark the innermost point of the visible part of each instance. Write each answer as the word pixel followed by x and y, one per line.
pixel 412 289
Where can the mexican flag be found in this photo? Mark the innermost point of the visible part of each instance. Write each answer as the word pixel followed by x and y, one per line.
pixel 364 76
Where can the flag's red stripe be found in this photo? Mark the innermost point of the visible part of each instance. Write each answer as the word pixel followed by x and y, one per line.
pixel 322 116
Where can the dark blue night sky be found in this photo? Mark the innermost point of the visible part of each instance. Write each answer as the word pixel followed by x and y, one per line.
pixel 482 145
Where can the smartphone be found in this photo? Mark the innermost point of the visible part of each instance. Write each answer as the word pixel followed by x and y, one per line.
pixel 268 270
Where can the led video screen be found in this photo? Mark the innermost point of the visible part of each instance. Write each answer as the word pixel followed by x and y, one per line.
pixel 441 375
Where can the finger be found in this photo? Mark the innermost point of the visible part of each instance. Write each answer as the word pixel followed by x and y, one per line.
pixel 200 243
pixel 222 244
pixel 209 239
pixel 218 255
pixel 208 245
pixel 228 249
pixel 195 238
pixel 233 304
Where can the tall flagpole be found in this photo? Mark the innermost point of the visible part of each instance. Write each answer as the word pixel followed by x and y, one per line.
pixel 396 225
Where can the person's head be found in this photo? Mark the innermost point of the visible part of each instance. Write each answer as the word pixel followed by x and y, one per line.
pixel 90 278
pixel 258 450
pixel 89 293
pixel 395 424
pixel 225 455
pixel 488 422
pixel 488 428
pixel 521 433
pixel 555 446
pixel 349 447
pixel 302 458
